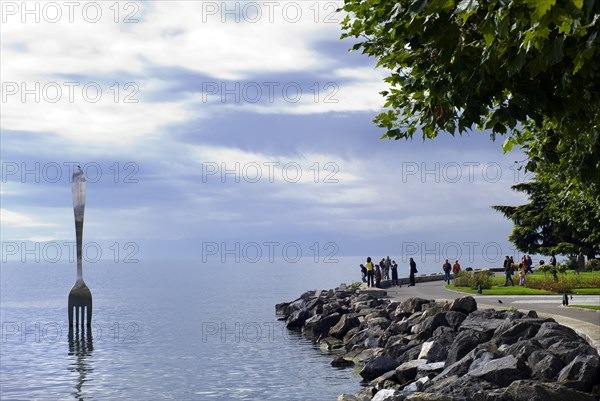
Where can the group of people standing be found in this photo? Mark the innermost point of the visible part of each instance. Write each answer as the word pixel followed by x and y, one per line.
pixel 372 274
pixel 525 267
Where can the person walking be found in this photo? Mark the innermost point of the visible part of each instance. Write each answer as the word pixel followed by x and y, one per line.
pixel 413 271
pixel 447 268
pixel 529 264
pixel 508 267
pixel 394 268
pixel 553 264
pixel 456 268
pixel 580 261
pixel 363 271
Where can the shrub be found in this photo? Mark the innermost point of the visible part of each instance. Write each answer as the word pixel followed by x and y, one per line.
pixel 593 264
pixel 561 286
pixel 561 268
pixel 565 284
pixel 543 268
pixel 474 279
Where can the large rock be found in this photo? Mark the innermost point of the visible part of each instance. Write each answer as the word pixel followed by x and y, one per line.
pixel 581 374
pixel 463 388
pixel 426 328
pixel 551 332
pixel 433 351
pixel 464 305
pixel 345 323
pixel 429 397
pixel 528 390
pixel 412 305
pixel 524 348
pixel 297 319
pixel 378 366
pixel 388 395
pixel 548 368
pixel 502 371
pixel 464 342
pixel 407 372
pixel 455 319
pixel 320 325
pixel 511 332
pixel 341 362
pixel 331 308
pixel 482 321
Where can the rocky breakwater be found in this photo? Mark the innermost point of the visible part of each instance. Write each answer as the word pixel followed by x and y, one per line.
pixel 420 349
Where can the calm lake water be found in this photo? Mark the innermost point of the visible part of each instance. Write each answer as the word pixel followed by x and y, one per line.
pixel 165 331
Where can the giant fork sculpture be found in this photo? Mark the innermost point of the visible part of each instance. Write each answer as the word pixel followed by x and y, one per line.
pixel 80 297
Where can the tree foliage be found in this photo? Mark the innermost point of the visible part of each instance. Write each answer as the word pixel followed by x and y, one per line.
pixel 527 69
pixel 541 226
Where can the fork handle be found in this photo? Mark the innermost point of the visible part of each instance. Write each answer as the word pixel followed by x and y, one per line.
pixel 78 190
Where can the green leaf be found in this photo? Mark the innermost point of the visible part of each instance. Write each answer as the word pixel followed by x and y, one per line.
pixel 577 3
pixel 555 53
pixel 516 64
pixel 540 8
pixel 466 7
pixel 508 144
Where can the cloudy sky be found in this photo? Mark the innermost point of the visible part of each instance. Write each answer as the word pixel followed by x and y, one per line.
pixel 212 127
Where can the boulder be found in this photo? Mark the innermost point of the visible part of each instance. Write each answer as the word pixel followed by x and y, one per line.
pixel 380 323
pixel 548 368
pixel 320 325
pixel 341 362
pixel 482 322
pixel 407 372
pixel 429 397
pixel 426 328
pixel 510 331
pixel 433 351
pixel 412 305
pixel 502 371
pixel 347 397
pixel 529 390
pixel 331 308
pixel 463 388
pixel 388 395
pixel 417 385
pixel 568 350
pixel 481 358
pixel 581 374
pixel 455 318
pixel 523 349
pixel 342 327
pixel 464 305
pixel 464 342
pixel 551 332
pixel 297 319
pixel 378 366
pixel 433 368
pixel 330 343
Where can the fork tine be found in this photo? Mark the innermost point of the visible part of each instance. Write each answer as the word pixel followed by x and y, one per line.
pixel 89 316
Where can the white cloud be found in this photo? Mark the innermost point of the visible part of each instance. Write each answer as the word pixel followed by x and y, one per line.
pixel 11 218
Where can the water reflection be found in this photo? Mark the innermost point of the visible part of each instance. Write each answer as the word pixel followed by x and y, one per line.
pixel 81 345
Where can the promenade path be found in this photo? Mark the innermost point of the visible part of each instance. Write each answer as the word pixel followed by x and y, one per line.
pixel 585 322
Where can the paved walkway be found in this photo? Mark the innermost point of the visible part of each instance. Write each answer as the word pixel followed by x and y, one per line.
pixel 584 322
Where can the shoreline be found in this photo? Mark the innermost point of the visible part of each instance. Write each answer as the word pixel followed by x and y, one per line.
pixel 405 348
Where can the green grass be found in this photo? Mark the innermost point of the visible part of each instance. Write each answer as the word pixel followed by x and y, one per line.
pixel 516 290
pixel 587 291
pixel 592 307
